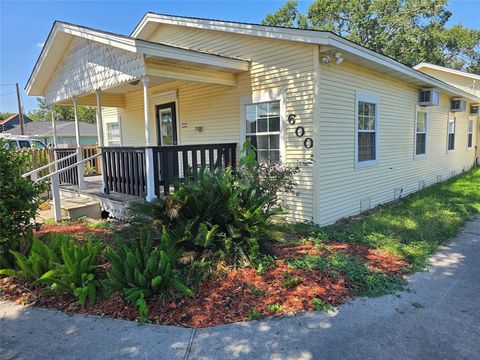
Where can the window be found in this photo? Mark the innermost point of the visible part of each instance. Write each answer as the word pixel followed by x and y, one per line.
pixel 366 126
pixel 421 133
pixel 24 143
pixel 470 134
pixel 113 134
pixel 451 134
pixel 263 130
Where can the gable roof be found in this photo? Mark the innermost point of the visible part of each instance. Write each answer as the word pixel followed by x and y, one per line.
pixel 62 33
pixel 14 117
pixel 447 70
pixel 64 128
pixel 364 56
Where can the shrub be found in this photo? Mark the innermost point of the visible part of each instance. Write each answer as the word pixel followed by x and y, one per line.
pixel 61 264
pixel 141 270
pixel 233 207
pixel 41 259
pixel 19 201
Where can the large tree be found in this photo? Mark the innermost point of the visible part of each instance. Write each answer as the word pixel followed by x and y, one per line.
pixel 410 31
pixel 85 113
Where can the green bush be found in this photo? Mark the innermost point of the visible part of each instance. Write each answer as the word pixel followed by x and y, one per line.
pixel 142 270
pixel 76 274
pixel 61 264
pixel 19 200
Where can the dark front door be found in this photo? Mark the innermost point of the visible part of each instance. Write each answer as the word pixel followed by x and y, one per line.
pixel 167 124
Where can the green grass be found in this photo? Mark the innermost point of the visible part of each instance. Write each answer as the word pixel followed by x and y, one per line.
pixel 417 225
pixel 362 280
pixel 321 305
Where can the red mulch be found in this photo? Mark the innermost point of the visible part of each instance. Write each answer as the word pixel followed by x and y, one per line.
pixel 230 298
pixel 79 229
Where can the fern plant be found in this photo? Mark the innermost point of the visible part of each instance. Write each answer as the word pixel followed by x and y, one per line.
pixel 42 258
pixel 76 274
pixel 141 270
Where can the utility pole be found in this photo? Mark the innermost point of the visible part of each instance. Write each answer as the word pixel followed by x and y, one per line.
pixel 20 115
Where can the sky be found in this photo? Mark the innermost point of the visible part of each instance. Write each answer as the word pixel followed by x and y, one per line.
pixel 24 27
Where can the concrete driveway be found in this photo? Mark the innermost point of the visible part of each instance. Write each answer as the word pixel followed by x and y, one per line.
pixel 437 318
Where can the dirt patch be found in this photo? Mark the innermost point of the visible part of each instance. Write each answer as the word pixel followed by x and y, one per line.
pixel 239 295
pixel 81 230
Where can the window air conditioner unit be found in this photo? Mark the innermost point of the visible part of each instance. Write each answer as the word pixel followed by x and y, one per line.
pixel 458 105
pixel 475 109
pixel 429 97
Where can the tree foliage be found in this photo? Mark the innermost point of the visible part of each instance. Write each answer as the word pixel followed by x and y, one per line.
pixel 62 112
pixel 410 31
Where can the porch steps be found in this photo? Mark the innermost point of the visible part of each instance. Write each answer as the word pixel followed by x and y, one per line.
pixel 76 207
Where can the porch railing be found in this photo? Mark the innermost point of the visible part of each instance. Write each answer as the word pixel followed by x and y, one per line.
pixel 172 164
pixel 124 168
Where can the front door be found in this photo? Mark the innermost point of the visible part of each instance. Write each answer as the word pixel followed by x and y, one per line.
pixel 167 124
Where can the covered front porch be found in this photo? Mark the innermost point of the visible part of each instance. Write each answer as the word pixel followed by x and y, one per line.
pixel 158 106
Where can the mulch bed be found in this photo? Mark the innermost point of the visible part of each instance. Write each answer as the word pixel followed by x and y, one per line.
pixel 81 230
pixel 229 298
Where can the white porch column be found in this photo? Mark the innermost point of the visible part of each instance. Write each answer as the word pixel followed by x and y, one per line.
pixel 54 129
pixel 55 182
pixel 148 150
pixel 100 136
pixel 81 182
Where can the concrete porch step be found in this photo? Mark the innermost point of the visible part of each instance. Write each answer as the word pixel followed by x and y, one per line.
pixel 76 207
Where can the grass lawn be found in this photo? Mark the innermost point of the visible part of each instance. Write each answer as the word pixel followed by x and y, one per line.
pixel 312 268
pixel 414 227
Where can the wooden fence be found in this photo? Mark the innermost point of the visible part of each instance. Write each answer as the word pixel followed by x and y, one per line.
pixel 36 158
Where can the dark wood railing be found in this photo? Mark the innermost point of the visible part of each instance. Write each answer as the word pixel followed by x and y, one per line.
pixel 172 164
pixel 123 169
pixel 69 176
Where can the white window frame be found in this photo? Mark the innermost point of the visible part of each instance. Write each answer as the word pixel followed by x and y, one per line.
pixel 119 132
pixel 470 121
pixel 264 97
pixel 372 99
pixel 450 118
pixel 415 155
pixel 117 119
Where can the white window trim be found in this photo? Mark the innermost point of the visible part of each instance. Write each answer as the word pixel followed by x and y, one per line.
pixel 427 120
pixel 109 120
pixel 454 134
pixel 373 99
pixel 469 148
pixel 165 98
pixel 262 97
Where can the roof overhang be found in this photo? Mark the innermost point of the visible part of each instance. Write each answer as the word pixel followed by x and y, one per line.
pixel 358 53
pixel 62 34
pixel 424 65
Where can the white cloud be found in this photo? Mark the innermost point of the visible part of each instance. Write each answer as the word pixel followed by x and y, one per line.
pixel 40 44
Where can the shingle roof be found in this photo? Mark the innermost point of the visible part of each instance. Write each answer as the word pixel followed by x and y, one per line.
pixel 64 128
pixel 10 118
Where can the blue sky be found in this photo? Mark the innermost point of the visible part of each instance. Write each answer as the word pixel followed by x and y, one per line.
pixel 24 26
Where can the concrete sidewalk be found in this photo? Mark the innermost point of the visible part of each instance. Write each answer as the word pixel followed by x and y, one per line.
pixel 438 318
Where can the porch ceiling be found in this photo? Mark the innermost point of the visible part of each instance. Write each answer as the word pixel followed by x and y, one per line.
pixel 77 60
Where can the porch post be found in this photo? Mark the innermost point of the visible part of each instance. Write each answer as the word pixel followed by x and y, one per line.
pixel 81 183
pixel 54 129
pixel 100 137
pixel 149 168
pixel 55 181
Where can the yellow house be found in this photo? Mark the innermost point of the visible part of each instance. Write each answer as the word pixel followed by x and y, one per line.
pixel 180 93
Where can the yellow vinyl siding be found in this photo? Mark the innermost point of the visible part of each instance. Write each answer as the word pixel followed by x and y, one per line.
pixel 462 82
pixel 275 65
pixel 342 188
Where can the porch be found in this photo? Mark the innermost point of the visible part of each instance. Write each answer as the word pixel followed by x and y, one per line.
pixel 139 86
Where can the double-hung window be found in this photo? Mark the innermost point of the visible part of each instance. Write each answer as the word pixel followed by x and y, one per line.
pixel 366 136
pixel 451 134
pixel 263 130
pixel 470 134
pixel 113 134
pixel 421 133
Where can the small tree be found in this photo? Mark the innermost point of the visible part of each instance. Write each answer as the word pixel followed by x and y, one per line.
pixel 19 200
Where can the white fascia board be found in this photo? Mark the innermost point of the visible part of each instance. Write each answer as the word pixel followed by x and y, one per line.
pixel 447 70
pixel 164 51
pixel 298 35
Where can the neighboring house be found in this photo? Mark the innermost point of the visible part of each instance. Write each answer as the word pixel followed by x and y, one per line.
pixel 42 130
pixel 10 122
pixel 375 129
